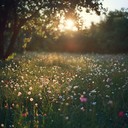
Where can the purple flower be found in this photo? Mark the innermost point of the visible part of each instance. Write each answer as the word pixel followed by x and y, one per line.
pixel 121 114
pixel 83 99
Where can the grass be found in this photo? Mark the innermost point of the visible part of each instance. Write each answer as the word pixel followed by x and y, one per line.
pixel 52 90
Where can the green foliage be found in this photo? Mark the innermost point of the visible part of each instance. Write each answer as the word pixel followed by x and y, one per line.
pixel 11 56
pixel 14 14
pixel 112 32
pixel 109 36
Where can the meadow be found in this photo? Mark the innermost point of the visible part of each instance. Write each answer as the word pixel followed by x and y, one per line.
pixel 55 90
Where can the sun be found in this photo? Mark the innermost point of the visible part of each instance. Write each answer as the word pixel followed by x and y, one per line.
pixel 85 20
pixel 67 25
pixel 70 25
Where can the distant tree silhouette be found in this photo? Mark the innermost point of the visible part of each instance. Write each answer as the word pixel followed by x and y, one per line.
pixel 112 34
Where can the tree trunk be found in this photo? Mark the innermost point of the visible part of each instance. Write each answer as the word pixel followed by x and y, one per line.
pixel 3 21
pixel 1 45
pixel 10 48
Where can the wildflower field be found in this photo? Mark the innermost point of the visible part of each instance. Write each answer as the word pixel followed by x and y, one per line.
pixel 53 90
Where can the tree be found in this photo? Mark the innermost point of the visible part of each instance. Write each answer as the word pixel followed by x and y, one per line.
pixel 112 33
pixel 15 13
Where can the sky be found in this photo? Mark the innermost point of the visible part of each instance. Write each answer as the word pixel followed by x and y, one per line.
pixel 87 19
pixel 111 5
pixel 115 4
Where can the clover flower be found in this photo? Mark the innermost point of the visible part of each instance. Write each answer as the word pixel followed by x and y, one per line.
pixel 83 99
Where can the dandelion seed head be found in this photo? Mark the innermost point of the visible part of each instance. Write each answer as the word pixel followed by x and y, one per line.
pixel 36 104
pixel 94 103
pixel 67 104
pixel 29 93
pixel 75 87
pixel 31 99
pixel 19 94
pixel 2 125
pixel 30 88
pixel 110 102
pixel 66 117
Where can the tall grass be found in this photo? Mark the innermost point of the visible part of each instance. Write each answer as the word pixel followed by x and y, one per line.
pixel 50 90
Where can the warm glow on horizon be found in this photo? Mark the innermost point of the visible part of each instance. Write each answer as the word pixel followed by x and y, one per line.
pixel 86 18
pixel 67 25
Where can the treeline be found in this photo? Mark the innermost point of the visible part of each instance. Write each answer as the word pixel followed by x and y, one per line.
pixel 108 36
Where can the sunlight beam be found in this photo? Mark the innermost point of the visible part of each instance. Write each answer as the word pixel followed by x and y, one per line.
pixel 67 25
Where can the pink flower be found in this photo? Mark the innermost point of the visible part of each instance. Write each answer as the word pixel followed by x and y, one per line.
pixel 83 99
pixel 24 114
pixel 121 114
